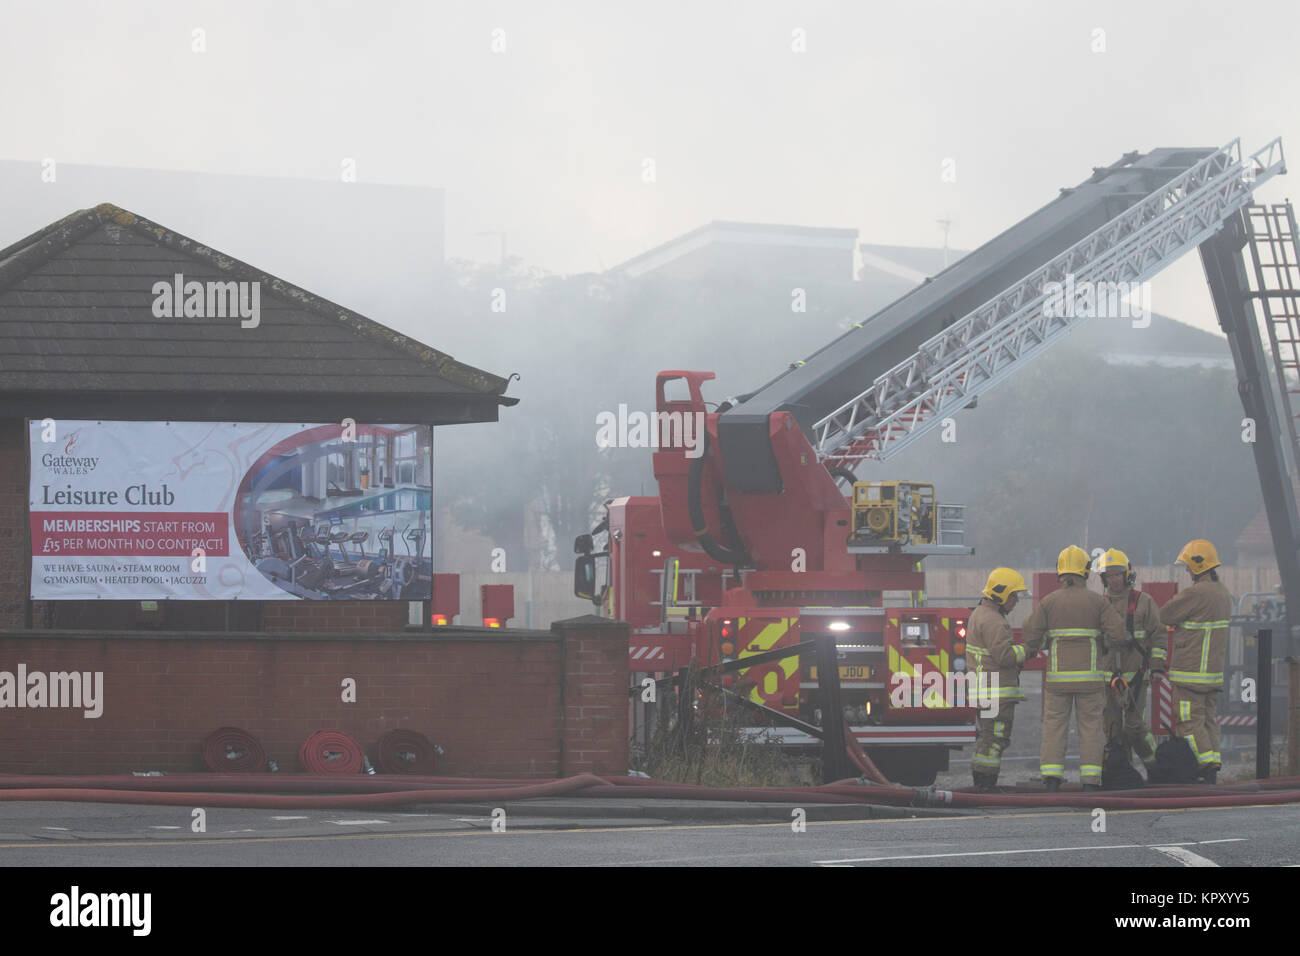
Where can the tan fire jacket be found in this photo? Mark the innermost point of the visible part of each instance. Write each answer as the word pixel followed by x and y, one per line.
pixel 1199 648
pixel 1077 626
pixel 1148 631
pixel 992 651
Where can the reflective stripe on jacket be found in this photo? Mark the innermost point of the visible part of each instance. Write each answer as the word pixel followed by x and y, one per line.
pixel 1078 627
pixel 1200 616
pixel 992 651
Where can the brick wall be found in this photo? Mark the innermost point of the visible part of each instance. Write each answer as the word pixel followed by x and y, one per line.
pixel 501 703
pixel 334 616
pixel 595 695
pixel 14 571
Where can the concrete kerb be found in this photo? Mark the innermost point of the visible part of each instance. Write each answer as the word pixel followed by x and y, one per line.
pixel 679 811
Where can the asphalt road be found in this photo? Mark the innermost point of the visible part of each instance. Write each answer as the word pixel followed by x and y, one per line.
pixel 88 835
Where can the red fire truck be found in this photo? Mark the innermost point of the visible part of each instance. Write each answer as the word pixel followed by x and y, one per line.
pixel 761 535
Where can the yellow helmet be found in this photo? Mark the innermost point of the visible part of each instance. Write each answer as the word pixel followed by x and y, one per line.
pixel 1002 583
pixel 1115 558
pixel 1199 556
pixel 1073 560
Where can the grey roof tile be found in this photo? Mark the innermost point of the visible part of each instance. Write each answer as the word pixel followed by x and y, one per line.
pixel 76 315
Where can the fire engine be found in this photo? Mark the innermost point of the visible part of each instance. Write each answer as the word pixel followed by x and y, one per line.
pixel 765 537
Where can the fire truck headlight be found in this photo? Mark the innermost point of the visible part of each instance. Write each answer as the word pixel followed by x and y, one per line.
pixel 837 626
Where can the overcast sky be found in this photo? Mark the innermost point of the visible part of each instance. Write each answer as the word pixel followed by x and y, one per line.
pixel 548 138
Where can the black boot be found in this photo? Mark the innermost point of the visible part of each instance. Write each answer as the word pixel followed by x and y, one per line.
pixel 1092 786
pixel 1209 776
pixel 985 782
pixel 1053 784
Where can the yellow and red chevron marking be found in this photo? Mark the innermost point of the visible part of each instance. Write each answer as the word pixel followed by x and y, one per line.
pixel 915 662
pixel 776 683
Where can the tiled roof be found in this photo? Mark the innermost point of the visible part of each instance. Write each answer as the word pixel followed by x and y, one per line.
pixel 77 316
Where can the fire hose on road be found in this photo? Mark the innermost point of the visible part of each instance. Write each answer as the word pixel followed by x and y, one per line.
pixel 332 791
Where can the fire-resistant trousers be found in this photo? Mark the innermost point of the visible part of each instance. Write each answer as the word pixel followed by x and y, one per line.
pixel 1197 722
pixel 993 736
pixel 1088 706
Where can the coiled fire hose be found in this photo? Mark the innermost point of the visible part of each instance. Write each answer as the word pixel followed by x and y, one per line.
pixel 231 750
pixel 406 752
pixel 331 751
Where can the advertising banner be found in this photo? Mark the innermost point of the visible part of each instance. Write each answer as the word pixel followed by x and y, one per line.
pixel 223 511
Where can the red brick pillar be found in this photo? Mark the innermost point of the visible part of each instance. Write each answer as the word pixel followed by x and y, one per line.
pixel 593 717
pixel 15 572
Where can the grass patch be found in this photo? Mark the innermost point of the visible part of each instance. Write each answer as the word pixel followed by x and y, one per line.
pixel 711 750
pixel 1277 764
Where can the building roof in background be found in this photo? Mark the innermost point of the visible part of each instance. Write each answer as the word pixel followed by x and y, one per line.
pixel 390 236
pixel 1255 540
pixel 914 263
pixel 736 234
pixel 80 336
pixel 1165 342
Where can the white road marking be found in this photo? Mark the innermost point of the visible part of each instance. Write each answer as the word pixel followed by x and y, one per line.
pixel 1163 847
pixel 1184 856
pixel 358 823
pixel 164 828
pixel 54 828
pixel 938 856
pixel 290 818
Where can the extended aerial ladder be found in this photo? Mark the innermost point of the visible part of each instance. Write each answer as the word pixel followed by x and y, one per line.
pixel 1172 201
pixel 758 520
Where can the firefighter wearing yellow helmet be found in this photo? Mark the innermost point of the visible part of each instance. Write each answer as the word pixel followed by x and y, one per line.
pixel 1198 651
pixel 1143 651
pixel 1077 627
pixel 991 650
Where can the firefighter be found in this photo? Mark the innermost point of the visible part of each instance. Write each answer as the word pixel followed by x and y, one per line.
pixel 1142 650
pixel 992 652
pixel 1197 655
pixel 1077 627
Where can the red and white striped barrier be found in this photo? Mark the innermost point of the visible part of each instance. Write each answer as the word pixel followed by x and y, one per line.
pixel 1238 721
pixel 1162 705
pixel 646 654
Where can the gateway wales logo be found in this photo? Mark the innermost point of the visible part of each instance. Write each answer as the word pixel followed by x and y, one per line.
pixel 69 463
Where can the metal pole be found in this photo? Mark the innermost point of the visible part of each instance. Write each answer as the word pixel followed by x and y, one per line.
pixel 685 711
pixel 1225 271
pixel 835 764
pixel 1293 716
pixel 1264 721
